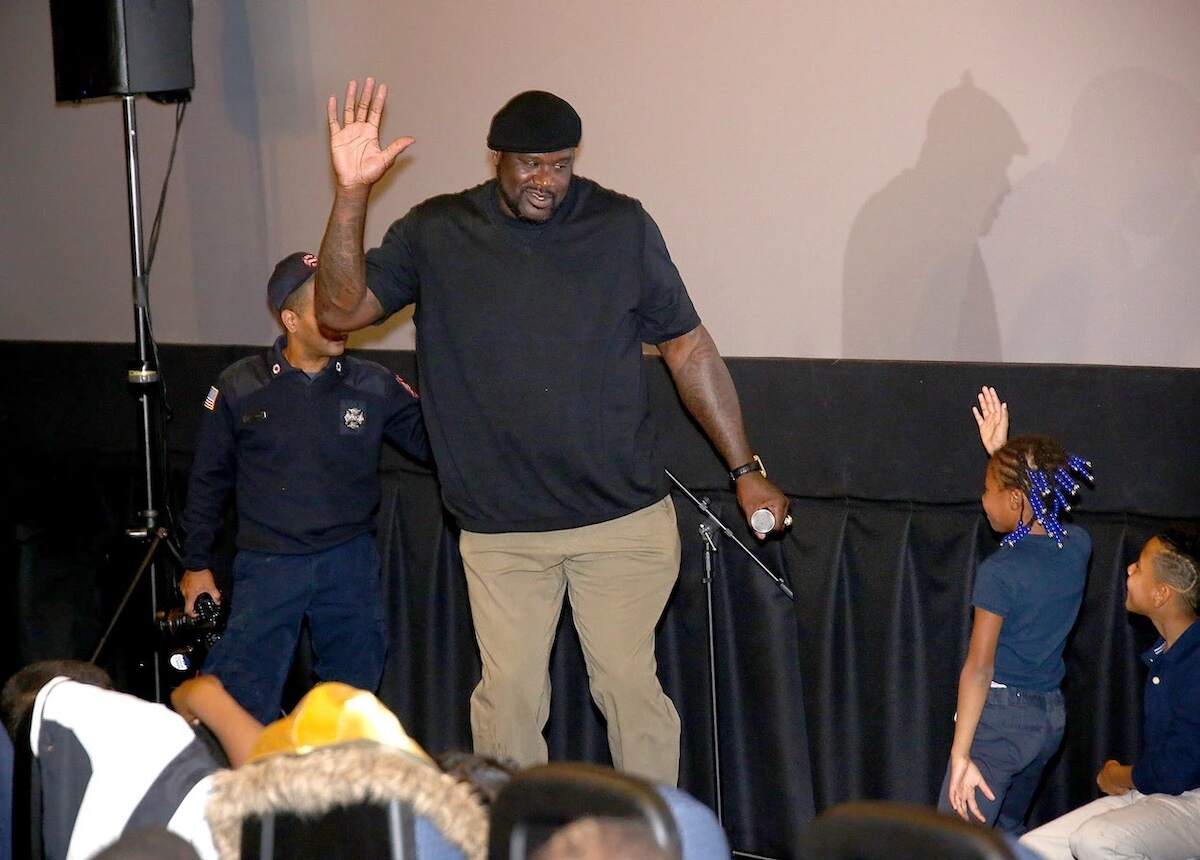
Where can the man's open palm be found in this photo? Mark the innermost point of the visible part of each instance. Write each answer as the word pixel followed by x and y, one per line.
pixel 354 145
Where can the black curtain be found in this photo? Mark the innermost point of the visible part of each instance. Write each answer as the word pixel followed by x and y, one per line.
pixel 845 693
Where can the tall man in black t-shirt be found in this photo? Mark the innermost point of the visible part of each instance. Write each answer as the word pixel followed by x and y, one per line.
pixel 534 294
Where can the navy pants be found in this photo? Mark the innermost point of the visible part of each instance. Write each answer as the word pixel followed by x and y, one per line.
pixel 1017 734
pixel 336 589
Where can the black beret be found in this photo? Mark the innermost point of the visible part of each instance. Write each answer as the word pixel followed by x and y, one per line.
pixel 290 273
pixel 535 121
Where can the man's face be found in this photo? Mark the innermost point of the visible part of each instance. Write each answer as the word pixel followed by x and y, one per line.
pixel 306 333
pixel 533 184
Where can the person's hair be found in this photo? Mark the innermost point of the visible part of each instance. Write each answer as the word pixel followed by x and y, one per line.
pixel 485 774
pixel 149 843
pixel 1018 456
pixel 1178 563
pixel 594 838
pixel 298 298
pixel 20 691
pixel 1040 468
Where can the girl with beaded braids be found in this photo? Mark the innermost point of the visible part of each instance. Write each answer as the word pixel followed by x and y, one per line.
pixel 1026 596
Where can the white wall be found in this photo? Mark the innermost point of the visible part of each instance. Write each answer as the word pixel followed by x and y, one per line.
pixel 832 178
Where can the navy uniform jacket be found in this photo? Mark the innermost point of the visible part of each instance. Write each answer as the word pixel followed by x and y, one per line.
pixel 1169 762
pixel 302 454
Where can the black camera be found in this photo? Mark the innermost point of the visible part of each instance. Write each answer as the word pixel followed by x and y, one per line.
pixel 195 633
pixel 176 624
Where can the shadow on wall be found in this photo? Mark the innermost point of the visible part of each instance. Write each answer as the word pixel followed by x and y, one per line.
pixel 1095 257
pixel 225 183
pixel 914 283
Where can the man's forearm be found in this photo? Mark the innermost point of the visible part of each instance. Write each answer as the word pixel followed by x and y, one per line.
pixel 708 394
pixel 342 276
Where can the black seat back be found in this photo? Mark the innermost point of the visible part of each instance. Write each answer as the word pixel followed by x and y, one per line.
pixel 542 799
pixel 354 799
pixel 376 832
pixel 870 830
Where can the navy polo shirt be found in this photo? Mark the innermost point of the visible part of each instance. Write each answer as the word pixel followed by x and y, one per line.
pixel 1169 762
pixel 1037 588
pixel 301 453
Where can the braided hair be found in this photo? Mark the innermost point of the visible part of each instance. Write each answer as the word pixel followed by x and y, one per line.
pixel 1178 564
pixel 1043 470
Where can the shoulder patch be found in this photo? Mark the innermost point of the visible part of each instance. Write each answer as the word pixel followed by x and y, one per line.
pixel 411 392
pixel 246 376
pixel 210 402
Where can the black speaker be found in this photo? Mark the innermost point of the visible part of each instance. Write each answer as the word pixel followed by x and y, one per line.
pixel 121 47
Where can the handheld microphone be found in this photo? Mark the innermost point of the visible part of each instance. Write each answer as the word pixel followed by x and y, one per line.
pixel 763 520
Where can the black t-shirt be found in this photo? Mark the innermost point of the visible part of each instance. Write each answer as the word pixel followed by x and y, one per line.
pixel 529 344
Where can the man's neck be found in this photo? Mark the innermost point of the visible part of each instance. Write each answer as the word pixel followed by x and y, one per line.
pixel 301 360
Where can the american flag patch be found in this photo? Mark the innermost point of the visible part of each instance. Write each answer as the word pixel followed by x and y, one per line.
pixel 210 402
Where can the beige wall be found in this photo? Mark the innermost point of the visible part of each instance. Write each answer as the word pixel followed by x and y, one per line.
pixel 833 179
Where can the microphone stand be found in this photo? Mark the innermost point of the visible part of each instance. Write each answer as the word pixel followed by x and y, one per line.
pixel 710 552
pixel 702 504
pixel 708 537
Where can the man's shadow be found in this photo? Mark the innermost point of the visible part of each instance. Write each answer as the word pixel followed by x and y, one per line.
pixel 1095 256
pixel 914 284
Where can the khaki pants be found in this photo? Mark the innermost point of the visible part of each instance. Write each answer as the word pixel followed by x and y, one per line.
pixel 1124 827
pixel 618 575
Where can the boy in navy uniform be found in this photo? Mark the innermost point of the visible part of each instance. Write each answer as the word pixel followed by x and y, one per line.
pixel 296 432
pixel 1151 807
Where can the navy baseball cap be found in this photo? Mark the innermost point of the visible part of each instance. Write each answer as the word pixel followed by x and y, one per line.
pixel 290 274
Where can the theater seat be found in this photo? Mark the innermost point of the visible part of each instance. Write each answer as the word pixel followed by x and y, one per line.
pixel 542 799
pixel 898 831
pixel 359 799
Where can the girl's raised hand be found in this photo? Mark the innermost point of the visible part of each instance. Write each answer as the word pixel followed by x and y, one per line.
pixel 992 417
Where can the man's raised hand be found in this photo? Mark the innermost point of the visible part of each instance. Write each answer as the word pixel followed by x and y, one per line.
pixel 354 148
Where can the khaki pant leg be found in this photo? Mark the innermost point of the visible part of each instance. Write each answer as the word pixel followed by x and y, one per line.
pixel 515 584
pixel 1157 826
pixel 1053 839
pixel 619 576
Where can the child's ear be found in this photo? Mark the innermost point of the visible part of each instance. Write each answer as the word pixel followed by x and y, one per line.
pixel 1016 499
pixel 288 318
pixel 1163 594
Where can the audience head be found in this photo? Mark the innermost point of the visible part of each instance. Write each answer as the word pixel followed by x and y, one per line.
pixel 485 774
pixel 20 691
pixel 149 843
pixel 601 839
pixel 334 713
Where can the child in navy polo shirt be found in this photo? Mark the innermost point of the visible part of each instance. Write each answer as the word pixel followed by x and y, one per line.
pixel 1152 807
pixel 1010 716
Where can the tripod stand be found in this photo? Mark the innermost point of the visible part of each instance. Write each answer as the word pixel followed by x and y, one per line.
pixel 708 537
pixel 143 379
